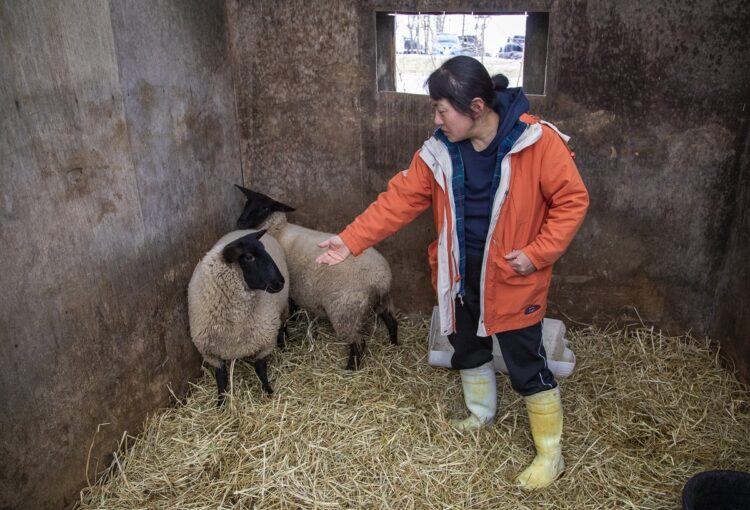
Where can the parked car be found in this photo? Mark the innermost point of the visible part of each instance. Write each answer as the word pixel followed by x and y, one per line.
pixel 517 39
pixel 446 44
pixel 469 45
pixel 511 51
pixel 411 46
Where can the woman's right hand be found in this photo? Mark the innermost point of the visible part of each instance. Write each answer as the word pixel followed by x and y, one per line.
pixel 336 252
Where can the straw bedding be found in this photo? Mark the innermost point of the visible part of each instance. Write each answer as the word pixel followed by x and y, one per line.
pixel 643 413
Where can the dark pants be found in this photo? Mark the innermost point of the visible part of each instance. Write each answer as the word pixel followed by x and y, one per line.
pixel 523 350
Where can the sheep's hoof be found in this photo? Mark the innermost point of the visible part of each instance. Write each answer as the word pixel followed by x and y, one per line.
pixel 353 364
pixel 355 357
pixel 220 400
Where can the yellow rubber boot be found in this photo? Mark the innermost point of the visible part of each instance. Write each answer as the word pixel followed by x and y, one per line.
pixel 480 395
pixel 546 420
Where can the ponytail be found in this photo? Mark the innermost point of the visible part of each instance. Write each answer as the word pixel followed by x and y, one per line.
pixel 500 82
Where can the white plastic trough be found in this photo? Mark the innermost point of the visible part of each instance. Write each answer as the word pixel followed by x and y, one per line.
pixel 560 358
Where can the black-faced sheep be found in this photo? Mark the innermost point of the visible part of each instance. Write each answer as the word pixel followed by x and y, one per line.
pixel 238 303
pixel 345 293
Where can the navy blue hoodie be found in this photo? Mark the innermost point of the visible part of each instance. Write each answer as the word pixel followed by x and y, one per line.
pixel 482 168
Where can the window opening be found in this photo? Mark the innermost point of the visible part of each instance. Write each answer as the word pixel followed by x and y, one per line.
pixel 413 44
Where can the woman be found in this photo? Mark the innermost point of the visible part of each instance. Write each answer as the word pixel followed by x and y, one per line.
pixel 507 201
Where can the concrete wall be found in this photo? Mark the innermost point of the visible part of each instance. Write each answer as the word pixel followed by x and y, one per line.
pixel 118 145
pixel 731 319
pixel 653 96
pixel 653 93
pixel 299 77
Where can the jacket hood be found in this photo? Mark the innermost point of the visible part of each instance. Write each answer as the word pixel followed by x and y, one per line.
pixel 510 104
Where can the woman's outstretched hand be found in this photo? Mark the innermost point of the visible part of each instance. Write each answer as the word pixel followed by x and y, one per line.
pixel 336 252
pixel 520 262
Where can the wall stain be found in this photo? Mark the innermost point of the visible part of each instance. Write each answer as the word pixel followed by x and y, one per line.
pixel 146 95
pixel 105 207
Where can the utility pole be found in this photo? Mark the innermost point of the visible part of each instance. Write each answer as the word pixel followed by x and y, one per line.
pixel 482 26
pixel 427 32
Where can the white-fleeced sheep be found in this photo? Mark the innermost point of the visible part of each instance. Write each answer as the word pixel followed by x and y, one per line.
pixel 346 293
pixel 238 302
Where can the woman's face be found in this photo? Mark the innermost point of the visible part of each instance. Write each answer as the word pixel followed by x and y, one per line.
pixel 456 126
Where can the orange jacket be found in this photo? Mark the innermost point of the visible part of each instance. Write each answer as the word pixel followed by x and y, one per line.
pixel 538 208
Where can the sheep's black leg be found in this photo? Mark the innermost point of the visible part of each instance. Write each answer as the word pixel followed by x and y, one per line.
pixel 222 379
pixel 392 324
pixel 356 353
pixel 346 316
pixel 281 338
pixel 261 368
pixel 292 307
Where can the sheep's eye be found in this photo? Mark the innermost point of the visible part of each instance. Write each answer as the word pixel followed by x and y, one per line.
pixel 249 258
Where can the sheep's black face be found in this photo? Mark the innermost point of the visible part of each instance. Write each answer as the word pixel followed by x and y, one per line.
pixel 258 268
pixel 257 208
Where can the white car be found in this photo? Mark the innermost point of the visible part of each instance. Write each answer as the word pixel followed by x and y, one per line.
pixel 512 51
pixel 446 44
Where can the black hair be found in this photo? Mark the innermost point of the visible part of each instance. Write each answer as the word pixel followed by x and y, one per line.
pixel 461 79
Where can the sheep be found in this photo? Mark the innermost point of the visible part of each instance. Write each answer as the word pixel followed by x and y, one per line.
pixel 345 293
pixel 238 303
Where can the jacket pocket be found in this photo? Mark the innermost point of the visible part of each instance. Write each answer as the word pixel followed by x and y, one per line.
pixel 514 295
pixel 505 275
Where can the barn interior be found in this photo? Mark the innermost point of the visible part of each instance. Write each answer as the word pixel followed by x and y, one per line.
pixel 126 125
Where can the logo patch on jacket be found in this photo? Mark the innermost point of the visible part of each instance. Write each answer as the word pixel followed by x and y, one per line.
pixel 531 309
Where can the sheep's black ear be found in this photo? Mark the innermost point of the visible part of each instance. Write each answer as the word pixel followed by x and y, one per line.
pixel 278 206
pixel 233 251
pixel 249 194
pixel 259 233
